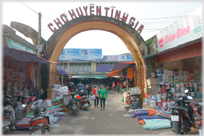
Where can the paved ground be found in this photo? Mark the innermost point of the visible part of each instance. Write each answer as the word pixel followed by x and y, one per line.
pixel 109 121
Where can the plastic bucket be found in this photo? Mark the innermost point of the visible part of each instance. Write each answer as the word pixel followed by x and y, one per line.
pixel 26 99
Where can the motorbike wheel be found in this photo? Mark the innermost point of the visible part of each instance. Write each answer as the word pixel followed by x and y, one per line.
pixel 75 112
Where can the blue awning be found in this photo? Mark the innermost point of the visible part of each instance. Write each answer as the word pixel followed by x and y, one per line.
pixel 104 67
pixel 61 71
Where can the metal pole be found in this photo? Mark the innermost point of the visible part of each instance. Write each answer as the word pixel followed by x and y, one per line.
pixel 39 30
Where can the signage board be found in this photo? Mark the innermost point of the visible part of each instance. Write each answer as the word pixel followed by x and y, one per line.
pixel 186 29
pixel 97 11
pixel 118 58
pixel 17 45
pixel 73 54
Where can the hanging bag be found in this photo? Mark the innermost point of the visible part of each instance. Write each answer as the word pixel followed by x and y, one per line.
pixel 92 97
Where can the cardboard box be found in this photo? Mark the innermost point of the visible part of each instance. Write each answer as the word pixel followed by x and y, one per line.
pixel 171 78
pixel 147 90
pixel 165 78
pixel 186 73
pixel 50 93
pixel 151 81
pixel 180 73
pixel 176 73
pixel 176 78
pixel 170 73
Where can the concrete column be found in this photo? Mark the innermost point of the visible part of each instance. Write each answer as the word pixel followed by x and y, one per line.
pixel 68 67
pixel 52 74
pixel 61 80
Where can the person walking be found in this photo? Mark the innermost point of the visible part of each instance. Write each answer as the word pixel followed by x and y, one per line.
pixel 103 95
pixel 96 101
pixel 88 90
pixel 118 87
pixel 80 86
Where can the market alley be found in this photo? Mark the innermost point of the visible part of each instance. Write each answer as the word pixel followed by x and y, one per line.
pixel 110 121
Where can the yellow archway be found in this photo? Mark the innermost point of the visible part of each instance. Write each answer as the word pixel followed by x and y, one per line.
pixel 106 26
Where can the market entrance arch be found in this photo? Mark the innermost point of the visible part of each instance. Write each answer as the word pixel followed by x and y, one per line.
pixel 125 32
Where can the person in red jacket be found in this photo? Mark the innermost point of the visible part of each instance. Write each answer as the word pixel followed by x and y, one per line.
pixel 94 93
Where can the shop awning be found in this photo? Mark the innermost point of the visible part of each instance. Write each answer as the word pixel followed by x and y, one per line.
pixel 193 50
pixel 61 71
pixel 96 76
pixel 24 56
pixel 104 67
pixel 121 65
pixel 113 73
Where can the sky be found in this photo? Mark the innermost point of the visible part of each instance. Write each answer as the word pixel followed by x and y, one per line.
pixel 155 16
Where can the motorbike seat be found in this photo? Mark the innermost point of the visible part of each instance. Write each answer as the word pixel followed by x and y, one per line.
pixel 84 97
pixel 73 100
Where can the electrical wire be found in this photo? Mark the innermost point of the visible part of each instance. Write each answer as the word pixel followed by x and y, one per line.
pixel 29 8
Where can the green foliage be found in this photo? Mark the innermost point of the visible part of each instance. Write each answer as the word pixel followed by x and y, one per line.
pixel 149 41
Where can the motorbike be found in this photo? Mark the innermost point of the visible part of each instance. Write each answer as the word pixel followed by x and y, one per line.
pixel 40 123
pixel 182 118
pixel 198 116
pixel 72 103
pixel 9 116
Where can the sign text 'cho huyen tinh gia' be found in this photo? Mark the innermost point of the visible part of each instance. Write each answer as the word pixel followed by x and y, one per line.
pixel 98 11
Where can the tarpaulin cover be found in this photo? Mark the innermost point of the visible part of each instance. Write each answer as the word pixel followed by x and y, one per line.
pixel 54 107
pixel 156 124
pixel 138 110
pixel 61 71
pixel 150 117
pixel 104 67
pixel 23 56
pixel 163 114
pixel 139 114
pixel 23 123
pixel 122 65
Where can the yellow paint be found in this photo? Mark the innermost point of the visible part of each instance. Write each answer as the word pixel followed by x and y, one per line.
pixel 99 25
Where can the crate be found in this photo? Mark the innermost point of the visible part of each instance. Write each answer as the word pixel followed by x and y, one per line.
pixel 50 93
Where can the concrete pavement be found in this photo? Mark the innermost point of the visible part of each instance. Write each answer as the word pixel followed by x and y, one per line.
pixel 108 121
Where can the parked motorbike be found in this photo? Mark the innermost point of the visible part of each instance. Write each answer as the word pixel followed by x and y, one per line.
pixel 198 115
pixel 9 116
pixel 182 118
pixel 40 123
pixel 72 103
